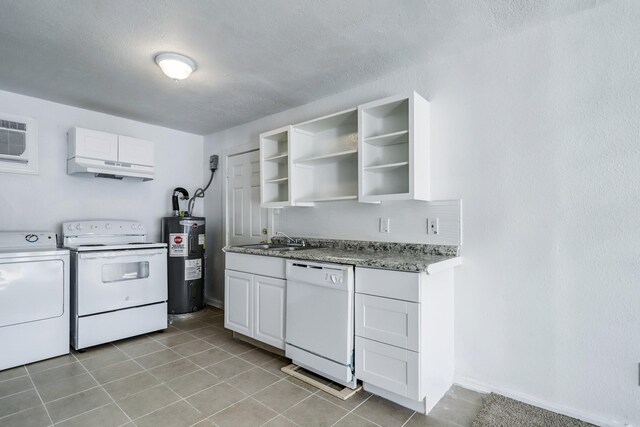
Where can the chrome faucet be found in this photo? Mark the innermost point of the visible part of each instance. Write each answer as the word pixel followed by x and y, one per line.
pixel 291 241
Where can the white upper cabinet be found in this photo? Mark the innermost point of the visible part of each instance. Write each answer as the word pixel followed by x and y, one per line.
pixel 107 155
pixel 393 147
pixel 93 144
pixel 324 156
pixel 374 153
pixel 275 164
pixel 135 151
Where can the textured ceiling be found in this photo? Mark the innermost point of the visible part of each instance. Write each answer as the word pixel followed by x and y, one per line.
pixel 254 57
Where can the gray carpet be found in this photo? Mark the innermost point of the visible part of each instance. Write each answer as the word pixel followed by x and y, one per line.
pixel 500 411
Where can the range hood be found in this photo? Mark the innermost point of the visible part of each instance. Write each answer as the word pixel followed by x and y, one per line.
pixel 109 169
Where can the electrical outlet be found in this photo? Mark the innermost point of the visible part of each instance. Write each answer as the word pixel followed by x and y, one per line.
pixel 385 224
pixel 433 226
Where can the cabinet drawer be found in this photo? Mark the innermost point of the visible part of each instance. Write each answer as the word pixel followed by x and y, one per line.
pixel 256 264
pixel 388 283
pixel 389 321
pixel 394 369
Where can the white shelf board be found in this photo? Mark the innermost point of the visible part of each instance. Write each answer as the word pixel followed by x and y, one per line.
pixel 316 160
pixel 381 197
pixel 276 157
pixel 336 120
pixel 327 199
pixel 385 167
pixel 392 138
pixel 276 181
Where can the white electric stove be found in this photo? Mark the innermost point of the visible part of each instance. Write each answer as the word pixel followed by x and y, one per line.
pixel 118 281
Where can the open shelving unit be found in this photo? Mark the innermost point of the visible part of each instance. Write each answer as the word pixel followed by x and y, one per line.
pixel 392 165
pixel 324 156
pixel 374 153
pixel 274 168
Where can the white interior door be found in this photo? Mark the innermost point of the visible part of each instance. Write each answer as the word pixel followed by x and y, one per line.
pixel 245 218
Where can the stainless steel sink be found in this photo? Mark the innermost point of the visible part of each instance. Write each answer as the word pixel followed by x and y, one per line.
pixel 275 247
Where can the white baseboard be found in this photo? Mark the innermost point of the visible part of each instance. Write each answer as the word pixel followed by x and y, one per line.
pixel 473 384
pixel 214 302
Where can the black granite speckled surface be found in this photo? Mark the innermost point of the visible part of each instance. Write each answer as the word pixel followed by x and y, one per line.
pixel 384 255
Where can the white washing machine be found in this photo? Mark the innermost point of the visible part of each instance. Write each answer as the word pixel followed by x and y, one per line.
pixel 34 298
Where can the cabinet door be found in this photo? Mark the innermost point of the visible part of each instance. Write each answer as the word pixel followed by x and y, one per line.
pixel 96 145
pixel 269 306
pixel 388 321
pixel 238 302
pixel 135 151
pixel 391 368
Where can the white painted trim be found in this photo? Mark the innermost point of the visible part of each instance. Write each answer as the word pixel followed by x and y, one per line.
pixel 473 384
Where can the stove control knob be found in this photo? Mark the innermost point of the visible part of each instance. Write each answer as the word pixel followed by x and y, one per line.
pixel 107 226
pixel 140 226
pixel 133 226
pixel 70 227
pixel 78 227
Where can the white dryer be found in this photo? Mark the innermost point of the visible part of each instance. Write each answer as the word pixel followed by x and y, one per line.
pixel 34 298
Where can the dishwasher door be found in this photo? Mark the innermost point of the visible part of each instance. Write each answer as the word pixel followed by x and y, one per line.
pixel 320 310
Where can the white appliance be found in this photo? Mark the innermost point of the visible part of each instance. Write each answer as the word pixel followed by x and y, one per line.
pixel 320 319
pixel 34 298
pixel 118 281
pixel 107 155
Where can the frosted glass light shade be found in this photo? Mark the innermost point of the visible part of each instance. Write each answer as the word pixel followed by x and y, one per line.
pixel 175 66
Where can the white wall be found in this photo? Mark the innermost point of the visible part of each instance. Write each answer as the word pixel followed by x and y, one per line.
pixel 538 134
pixel 44 201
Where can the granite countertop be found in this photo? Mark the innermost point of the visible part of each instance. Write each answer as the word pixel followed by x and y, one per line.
pixel 388 256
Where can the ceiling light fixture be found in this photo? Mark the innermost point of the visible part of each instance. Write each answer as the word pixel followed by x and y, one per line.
pixel 175 66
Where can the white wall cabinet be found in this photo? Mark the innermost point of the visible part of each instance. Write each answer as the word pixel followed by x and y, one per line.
pixel 95 153
pixel 376 152
pixel 93 144
pixel 135 151
pixel 275 164
pixel 404 335
pixel 324 154
pixel 255 300
pixel 393 144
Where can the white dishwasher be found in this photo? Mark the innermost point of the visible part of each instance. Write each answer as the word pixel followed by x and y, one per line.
pixel 320 319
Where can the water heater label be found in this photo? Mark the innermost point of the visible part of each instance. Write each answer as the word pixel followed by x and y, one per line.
pixel 201 239
pixel 192 269
pixel 178 244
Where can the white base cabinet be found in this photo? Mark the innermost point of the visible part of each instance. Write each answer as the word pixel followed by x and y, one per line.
pixel 255 303
pixel 404 335
pixel 269 310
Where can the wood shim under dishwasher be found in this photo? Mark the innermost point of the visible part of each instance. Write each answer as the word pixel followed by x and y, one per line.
pixel 296 372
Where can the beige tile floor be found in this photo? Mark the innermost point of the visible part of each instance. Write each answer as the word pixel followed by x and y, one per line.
pixel 195 374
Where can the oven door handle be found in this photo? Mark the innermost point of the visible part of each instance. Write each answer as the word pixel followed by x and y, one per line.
pixel 122 254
